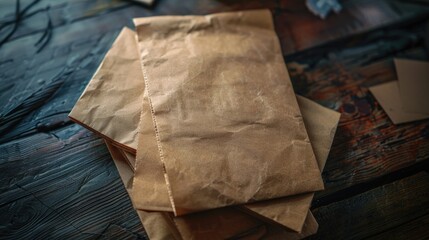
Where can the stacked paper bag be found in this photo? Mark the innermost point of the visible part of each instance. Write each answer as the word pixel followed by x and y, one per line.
pixel 200 117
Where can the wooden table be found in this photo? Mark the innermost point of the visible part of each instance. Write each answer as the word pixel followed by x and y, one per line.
pixel 58 180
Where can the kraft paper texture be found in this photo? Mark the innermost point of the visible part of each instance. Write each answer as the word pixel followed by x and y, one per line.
pixel 321 126
pixel 226 222
pixel 388 96
pixel 115 83
pixel 227 124
pixel 221 225
pixel 154 184
pixel 151 192
pixel 406 99
pixel 155 223
pixel 413 84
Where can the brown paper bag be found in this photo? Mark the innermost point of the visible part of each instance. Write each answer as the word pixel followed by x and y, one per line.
pixel 105 96
pixel 321 124
pixel 290 212
pixel 221 225
pixel 228 126
pixel 218 223
pixel 101 93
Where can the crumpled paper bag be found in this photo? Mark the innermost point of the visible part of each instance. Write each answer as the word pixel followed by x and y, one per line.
pixel 104 98
pixel 291 211
pixel 227 124
pixel 151 192
pixel 321 124
pixel 221 225
pixel 228 222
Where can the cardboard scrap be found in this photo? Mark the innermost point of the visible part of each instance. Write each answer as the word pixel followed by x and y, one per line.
pixel 406 99
pixel 387 94
pixel 413 81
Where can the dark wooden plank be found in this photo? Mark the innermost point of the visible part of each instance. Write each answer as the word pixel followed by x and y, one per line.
pixel 298 28
pixel 59 12
pixel 415 229
pixel 63 184
pixel 79 46
pixel 401 203
pixel 367 144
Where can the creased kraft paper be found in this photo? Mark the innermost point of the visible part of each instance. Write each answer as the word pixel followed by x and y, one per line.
pixel 162 226
pixel 112 94
pixel 154 191
pixel 227 123
pixel 229 222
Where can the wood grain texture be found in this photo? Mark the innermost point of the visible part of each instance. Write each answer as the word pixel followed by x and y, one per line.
pixel 63 184
pixel 367 145
pixel 402 204
pixel 58 180
pixel 415 229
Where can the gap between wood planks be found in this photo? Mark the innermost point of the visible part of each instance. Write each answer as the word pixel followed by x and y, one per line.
pixel 387 212
pixel 371 184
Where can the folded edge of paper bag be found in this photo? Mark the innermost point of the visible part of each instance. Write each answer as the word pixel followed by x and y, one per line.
pixel 150 186
pixel 156 224
pixel 210 224
pixel 290 211
pixel 321 124
pixel 229 223
pixel 117 119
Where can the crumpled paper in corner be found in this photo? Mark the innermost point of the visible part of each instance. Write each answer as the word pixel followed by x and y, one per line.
pixel 224 135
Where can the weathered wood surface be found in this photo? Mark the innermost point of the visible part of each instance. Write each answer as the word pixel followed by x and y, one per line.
pixel 58 180
pixel 367 145
pixel 399 208
pixel 63 184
